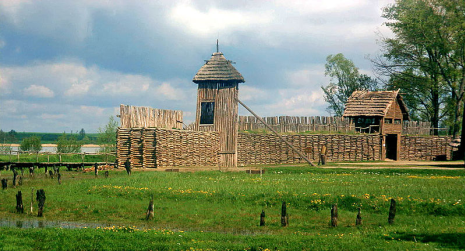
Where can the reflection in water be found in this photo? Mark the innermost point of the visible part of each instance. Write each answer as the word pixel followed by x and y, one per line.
pixel 31 223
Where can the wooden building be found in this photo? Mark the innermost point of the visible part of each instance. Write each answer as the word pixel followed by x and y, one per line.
pixel 379 112
pixel 217 107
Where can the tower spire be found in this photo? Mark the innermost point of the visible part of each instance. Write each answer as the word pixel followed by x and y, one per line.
pixel 217 47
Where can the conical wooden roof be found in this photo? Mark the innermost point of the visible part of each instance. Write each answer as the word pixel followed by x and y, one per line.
pixel 218 69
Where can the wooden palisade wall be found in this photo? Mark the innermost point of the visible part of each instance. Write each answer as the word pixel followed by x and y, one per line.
pixel 143 117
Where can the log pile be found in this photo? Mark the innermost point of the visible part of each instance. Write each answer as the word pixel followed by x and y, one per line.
pixel 156 147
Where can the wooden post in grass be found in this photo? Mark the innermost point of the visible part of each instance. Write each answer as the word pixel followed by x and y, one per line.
pixel 32 200
pixel 46 170
pixel 19 203
pixel 31 171
pixel 127 166
pixel 392 212
pixel 334 215
pixel 284 217
pixel 262 218
pixel 96 169
pixel 41 199
pixel 323 155
pixel 150 213
pixel 59 178
pixel 20 180
pixel 107 174
pixel 4 184
pixel 358 221
pixel 50 173
pixel 15 174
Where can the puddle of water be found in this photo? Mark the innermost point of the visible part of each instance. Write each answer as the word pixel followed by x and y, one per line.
pixel 32 223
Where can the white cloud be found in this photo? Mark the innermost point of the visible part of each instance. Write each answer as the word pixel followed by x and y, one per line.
pixel 247 93
pixel 169 92
pixel 127 84
pixel 78 89
pixel 216 20
pixel 38 91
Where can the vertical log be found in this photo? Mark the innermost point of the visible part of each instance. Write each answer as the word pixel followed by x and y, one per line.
pixel 96 169
pixel 127 166
pixel 19 203
pixel 32 199
pixel 359 217
pixel 284 217
pixel 392 212
pixel 40 197
pixel 59 178
pixel 20 180
pixel 15 174
pixel 50 173
pixel 262 218
pixel 31 171
pixel 150 213
pixel 334 215
pixel 4 184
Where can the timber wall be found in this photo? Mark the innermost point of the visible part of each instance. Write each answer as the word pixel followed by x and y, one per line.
pixel 138 116
pixel 156 147
pixel 425 148
pixel 256 149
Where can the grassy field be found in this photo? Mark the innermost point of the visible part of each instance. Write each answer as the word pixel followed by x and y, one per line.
pixel 219 211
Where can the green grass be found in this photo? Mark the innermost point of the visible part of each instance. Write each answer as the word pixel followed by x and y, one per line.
pixel 221 210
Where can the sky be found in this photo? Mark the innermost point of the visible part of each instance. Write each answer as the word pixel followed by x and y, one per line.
pixel 69 64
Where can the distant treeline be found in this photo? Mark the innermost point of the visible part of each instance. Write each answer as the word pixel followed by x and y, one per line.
pixel 13 137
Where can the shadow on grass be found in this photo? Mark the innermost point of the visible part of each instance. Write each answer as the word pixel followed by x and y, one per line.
pixel 450 240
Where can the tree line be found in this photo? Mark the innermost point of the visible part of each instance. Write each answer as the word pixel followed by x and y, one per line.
pixel 66 143
pixel 425 59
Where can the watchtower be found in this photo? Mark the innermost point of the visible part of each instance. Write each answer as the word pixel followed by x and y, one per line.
pixel 217 108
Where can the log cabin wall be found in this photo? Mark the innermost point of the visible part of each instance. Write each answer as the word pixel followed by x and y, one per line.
pixel 392 122
pixel 144 117
pixel 425 148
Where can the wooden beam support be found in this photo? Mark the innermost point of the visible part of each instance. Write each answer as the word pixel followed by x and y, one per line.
pixel 277 134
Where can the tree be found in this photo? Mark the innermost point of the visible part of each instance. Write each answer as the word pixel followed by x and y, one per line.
pixel 82 134
pixel 345 79
pixel 31 144
pixel 425 58
pixel 107 136
pixel 68 144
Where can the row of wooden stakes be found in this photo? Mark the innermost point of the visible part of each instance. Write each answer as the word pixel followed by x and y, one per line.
pixel 334 215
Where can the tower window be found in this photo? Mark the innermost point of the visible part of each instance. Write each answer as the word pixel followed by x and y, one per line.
pixel 207 112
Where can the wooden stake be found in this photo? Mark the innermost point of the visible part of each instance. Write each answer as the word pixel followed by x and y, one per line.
pixel 59 178
pixel 150 213
pixel 19 203
pixel 392 212
pixel 358 221
pixel 32 200
pixel 15 174
pixel 334 215
pixel 127 166
pixel 96 169
pixel 284 217
pixel 262 218
pixel 41 199
pixel 4 184
pixel 107 174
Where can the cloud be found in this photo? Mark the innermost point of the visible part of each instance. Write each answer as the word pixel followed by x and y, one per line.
pixel 38 91
pixel 169 92
pixel 216 20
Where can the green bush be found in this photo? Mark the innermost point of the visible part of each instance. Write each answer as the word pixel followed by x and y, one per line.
pixel 31 144
pixel 68 144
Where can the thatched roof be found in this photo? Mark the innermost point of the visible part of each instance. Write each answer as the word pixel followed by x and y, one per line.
pixel 373 103
pixel 218 69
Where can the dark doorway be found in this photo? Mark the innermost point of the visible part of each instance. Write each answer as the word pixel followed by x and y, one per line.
pixel 391 146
